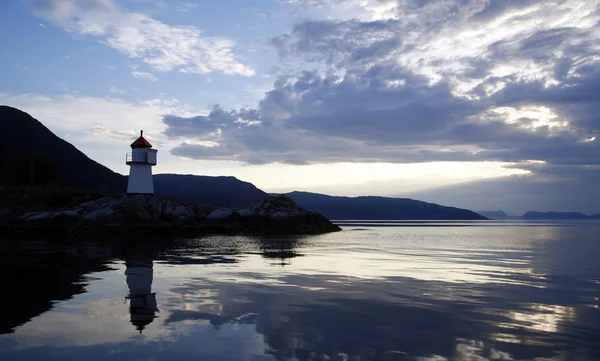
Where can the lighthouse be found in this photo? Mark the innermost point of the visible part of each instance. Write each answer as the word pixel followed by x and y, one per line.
pixel 140 161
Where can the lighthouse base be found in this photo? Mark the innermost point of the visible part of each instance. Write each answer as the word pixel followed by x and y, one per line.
pixel 140 179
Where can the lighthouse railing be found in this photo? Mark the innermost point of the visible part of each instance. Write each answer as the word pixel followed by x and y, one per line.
pixel 140 158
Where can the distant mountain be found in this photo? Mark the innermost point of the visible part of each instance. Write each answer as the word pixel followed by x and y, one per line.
pixel 213 191
pixel 493 214
pixel 378 208
pixel 558 215
pixel 31 154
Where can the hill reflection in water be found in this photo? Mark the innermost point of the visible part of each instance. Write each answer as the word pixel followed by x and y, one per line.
pixel 472 293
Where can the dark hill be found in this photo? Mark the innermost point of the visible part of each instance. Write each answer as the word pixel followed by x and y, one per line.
pixel 213 191
pixel 557 215
pixel 493 214
pixel 31 154
pixel 378 208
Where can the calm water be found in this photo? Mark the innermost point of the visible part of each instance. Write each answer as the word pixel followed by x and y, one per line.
pixel 456 291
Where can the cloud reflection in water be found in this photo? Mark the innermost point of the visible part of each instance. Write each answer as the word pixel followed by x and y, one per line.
pixel 403 295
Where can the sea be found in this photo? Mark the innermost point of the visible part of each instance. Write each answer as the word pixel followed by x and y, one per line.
pixel 377 290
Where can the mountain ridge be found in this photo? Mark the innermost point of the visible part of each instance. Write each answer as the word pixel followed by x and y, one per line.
pixel 558 215
pixel 65 165
pixel 379 208
pixel 216 191
pixel 31 145
pixel 26 142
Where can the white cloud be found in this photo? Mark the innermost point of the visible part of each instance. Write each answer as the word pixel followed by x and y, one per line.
pixel 103 128
pixel 346 9
pixel 446 40
pixel 78 116
pixel 144 75
pixel 114 89
pixel 164 47
pixel 185 7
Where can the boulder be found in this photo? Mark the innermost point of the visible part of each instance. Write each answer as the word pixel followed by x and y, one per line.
pixel 104 213
pixel 134 216
pixel 283 214
pixel 97 203
pixel 246 213
pixel 220 213
pixel 67 215
pixel 64 214
pixel 203 211
pixel 35 216
pixel 140 207
pixel 179 213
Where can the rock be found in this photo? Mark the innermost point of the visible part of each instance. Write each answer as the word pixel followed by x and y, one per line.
pixel 203 211
pixel 177 212
pixel 140 207
pixel 97 203
pixel 142 215
pixel 246 212
pixel 220 213
pixel 99 214
pixel 65 215
pixel 35 216
pixel 284 214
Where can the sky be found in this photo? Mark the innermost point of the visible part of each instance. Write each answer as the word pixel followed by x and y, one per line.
pixel 483 104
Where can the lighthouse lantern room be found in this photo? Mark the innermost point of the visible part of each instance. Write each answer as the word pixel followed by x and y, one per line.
pixel 140 161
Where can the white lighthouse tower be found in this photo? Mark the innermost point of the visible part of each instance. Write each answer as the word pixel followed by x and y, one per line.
pixel 141 160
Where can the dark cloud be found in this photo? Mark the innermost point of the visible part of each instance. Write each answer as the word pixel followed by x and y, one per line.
pixel 436 83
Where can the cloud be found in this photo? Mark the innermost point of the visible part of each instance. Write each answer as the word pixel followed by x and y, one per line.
pixel 100 130
pixel 440 81
pixel 114 89
pixel 103 128
pixel 465 81
pixel 161 46
pixel 185 7
pixel 144 75
pixel 81 117
pixel 344 9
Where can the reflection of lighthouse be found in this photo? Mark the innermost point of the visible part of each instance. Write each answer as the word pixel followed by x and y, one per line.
pixel 142 302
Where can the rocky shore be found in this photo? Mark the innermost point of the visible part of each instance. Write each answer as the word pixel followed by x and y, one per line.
pixel 147 216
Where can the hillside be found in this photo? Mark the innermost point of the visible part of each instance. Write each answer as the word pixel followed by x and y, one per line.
pixel 494 214
pixel 378 208
pixel 31 154
pixel 558 215
pixel 213 191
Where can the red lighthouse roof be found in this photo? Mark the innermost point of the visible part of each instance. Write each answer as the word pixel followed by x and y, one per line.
pixel 141 142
